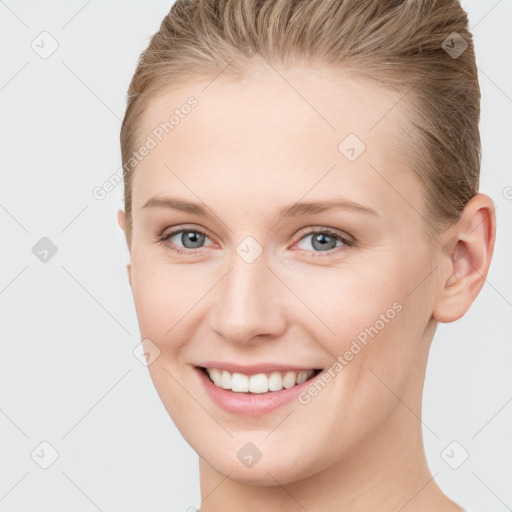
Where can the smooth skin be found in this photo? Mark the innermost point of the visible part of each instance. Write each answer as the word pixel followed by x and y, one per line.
pixel 251 147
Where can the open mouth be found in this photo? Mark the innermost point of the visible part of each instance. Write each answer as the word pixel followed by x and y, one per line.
pixel 260 382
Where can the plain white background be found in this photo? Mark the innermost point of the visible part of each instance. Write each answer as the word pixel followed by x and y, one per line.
pixel 68 376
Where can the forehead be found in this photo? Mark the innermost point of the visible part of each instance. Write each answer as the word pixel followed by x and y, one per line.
pixel 277 134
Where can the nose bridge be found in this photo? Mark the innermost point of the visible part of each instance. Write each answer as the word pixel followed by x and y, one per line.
pixel 247 303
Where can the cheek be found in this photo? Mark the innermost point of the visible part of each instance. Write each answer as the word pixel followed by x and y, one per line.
pixel 377 325
pixel 352 302
pixel 165 296
pixel 166 299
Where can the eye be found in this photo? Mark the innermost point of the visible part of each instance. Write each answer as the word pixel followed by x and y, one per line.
pixel 325 240
pixel 190 238
pixel 322 240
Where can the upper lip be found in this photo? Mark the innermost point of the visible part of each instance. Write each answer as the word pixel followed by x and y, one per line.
pixel 253 369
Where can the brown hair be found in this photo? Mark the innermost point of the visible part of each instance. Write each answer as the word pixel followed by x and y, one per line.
pixel 422 48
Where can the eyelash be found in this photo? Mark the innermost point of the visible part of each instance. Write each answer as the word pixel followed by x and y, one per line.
pixel 348 242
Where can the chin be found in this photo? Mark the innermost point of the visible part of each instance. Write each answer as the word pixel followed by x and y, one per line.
pixel 272 469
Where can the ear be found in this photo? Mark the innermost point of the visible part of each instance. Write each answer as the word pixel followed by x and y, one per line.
pixel 468 247
pixel 121 222
pixel 120 218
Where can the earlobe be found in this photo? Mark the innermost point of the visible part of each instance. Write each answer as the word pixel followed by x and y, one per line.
pixel 469 252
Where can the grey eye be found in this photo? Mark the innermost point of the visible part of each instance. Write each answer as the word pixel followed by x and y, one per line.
pixel 321 241
pixel 190 239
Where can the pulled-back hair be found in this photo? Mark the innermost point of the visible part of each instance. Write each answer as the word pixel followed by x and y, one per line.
pixel 421 48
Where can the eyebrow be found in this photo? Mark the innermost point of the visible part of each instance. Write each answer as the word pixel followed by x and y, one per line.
pixel 293 210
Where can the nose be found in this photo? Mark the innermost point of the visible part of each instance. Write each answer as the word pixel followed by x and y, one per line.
pixel 248 303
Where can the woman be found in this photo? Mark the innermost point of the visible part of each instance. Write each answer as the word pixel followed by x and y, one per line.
pixel 302 210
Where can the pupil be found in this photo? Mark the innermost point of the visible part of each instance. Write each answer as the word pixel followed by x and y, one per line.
pixel 323 241
pixel 192 237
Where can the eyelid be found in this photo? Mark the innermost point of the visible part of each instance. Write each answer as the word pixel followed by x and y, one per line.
pixel 182 227
pixel 311 230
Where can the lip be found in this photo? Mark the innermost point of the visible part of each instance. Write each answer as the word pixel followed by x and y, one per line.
pixel 252 369
pixel 250 404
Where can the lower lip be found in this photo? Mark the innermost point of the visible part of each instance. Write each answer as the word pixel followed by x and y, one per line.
pixel 253 404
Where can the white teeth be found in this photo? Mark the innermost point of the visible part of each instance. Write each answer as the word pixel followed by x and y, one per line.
pixel 225 380
pixel 240 382
pixel 289 380
pixel 259 383
pixel 275 382
pixel 216 376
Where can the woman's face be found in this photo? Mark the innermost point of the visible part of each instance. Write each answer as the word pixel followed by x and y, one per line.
pixel 253 292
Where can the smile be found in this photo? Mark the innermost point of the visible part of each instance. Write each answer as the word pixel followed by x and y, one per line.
pixel 253 390
pixel 260 382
